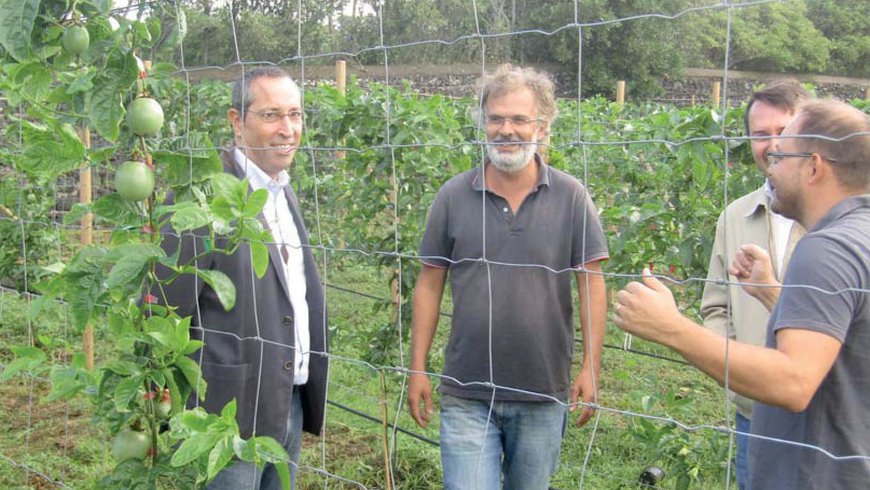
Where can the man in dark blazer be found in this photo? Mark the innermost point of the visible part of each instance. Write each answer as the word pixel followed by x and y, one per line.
pixel 269 351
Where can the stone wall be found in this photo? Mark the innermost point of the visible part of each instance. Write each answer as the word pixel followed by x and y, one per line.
pixel 696 86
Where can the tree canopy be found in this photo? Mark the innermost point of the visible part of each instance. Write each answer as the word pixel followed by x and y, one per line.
pixel 638 40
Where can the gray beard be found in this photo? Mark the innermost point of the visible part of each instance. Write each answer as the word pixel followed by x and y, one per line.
pixel 513 162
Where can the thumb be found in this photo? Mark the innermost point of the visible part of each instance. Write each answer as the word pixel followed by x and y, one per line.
pixel 651 282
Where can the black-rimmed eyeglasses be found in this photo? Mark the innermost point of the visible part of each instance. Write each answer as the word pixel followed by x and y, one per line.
pixel 773 157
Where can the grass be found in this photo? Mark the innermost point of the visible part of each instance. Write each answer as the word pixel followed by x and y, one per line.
pixel 58 440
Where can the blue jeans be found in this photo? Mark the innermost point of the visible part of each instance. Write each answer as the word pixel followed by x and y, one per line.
pixel 244 475
pixel 742 443
pixel 519 443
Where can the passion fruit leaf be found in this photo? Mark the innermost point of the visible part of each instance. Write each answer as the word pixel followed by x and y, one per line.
pixel 219 282
pixel 104 104
pixel 51 150
pixel 16 24
pixel 181 169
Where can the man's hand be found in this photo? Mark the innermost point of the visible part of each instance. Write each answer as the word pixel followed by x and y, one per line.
pixel 583 387
pixel 752 266
pixel 419 390
pixel 647 309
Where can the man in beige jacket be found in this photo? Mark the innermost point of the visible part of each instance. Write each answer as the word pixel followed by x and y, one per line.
pixel 750 220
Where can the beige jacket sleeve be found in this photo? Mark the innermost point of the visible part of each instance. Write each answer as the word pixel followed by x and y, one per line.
pixel 714 302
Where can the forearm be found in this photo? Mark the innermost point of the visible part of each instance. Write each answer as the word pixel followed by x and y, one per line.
pixel 592 292
pixel 763 374
pixel 427 301
pixel 768 296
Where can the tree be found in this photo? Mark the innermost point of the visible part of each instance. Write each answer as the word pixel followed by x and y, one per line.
pixel 845 25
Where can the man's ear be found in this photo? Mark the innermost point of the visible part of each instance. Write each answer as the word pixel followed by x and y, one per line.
pixel 818 168
pixel 235 119
pixel 544 131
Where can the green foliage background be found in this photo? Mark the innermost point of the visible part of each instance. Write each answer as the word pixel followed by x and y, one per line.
pixel 793 36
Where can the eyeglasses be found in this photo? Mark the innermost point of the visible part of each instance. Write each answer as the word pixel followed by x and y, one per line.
pixel 275 116
pixel 516 121
pixel 773 157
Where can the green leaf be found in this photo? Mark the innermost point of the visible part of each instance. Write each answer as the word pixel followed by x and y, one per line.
pixel 129 269
pixel 123 368
pixel 83 283
pixel 192 374
pixel 51 150
pixel 259 258
pixel 245 450
pixel 34 80
pixel 181 333
pixel 194 447
pixel 102 154
pixel 105 110
pixel 190 218
pixel 224 209
pixel 255 203
pixel 16 24
pixel 65 382
pixel 116 210
pixel 104 104
pixel 219 282
pixel 161 337
pixel 219 456
pixel 228 413
pixel 177 399
pixel 224 184
pixel 83 83
pixel 271 450
pixel 27 359
pixel 196 420
pixel 126 392
pixel 149 251
pixel 181 169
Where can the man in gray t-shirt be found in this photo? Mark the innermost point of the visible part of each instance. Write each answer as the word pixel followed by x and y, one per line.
pixel 510 235
pixel 810 426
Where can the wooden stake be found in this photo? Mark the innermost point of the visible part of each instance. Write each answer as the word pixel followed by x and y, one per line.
pixel 341 76
pixel 714 100
pixel 620 93
pixel 341 85
pixel 87 238
pixel 386 426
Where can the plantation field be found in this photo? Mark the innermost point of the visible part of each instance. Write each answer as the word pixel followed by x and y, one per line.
pixel 59 440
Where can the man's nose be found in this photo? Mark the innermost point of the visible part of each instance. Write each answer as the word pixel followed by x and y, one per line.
pixel 286 126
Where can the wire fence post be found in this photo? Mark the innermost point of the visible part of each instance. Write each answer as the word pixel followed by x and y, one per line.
pixel 620 93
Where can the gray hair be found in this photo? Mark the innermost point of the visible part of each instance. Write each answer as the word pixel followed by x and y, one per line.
pixel 507 78
pixel 242 99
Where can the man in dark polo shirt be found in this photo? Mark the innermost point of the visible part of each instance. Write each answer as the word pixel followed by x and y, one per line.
pixel 510 234
pixel 810 427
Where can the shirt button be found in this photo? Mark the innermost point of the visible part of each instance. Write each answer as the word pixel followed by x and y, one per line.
pixel 288 320
pixel 506 209
pixel 288 365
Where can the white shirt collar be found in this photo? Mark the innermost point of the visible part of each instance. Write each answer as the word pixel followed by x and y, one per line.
pixel 256 176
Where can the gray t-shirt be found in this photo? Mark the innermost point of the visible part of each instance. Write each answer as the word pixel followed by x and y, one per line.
pixel 556 228
pixel 834 256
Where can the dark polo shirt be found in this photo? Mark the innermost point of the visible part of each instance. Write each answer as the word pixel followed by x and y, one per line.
pixel 524 283
pixel 834 256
